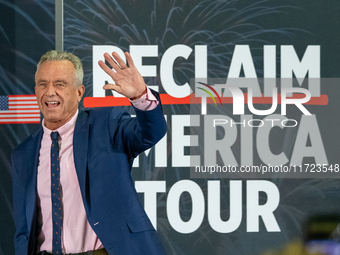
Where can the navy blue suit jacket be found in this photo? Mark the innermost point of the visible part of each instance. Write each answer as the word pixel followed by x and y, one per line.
pixel 105 143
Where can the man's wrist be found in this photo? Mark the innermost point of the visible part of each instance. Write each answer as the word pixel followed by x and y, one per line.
pixel 144 92
pixel 146 102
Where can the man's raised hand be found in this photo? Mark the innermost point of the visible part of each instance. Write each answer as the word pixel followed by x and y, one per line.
pixel 128 80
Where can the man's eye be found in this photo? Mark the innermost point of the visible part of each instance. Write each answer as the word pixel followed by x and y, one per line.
pixel 60 84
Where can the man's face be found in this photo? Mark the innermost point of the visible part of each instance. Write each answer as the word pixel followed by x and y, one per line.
pixel 56 93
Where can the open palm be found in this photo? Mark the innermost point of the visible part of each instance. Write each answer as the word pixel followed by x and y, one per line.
pixel 128 80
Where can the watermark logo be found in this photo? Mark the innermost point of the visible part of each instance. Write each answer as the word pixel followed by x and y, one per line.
pixel 251 95
pixel 212 89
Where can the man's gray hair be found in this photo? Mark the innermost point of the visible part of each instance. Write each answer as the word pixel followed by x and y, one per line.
pixel 54 55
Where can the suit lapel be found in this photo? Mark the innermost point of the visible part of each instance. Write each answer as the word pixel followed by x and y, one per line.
pixel 80 146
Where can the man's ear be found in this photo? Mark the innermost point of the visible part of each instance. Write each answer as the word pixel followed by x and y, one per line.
pixel 80 92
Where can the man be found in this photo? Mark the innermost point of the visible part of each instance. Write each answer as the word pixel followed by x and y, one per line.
pixel 72 188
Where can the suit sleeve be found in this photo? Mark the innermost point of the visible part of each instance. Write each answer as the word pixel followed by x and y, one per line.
pixel 21 233
pixel 135 135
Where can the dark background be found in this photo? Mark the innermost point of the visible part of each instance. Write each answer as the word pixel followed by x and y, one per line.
pixel 27 31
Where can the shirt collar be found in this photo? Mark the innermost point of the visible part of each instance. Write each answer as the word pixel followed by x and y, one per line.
pixel 65 129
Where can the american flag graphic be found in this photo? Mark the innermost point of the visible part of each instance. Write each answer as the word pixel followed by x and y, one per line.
pixel 15 109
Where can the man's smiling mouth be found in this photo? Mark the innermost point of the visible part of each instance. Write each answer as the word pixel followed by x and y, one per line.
pixel 52 104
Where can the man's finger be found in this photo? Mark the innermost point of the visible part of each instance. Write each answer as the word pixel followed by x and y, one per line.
pixel 110 86
pixel 118 59
pixel 107 69
pixel 113 63
pixel 129 59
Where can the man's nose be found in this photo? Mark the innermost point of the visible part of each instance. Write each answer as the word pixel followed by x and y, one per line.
pixel 50 90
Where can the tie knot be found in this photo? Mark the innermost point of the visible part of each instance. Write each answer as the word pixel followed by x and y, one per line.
pixel 54 135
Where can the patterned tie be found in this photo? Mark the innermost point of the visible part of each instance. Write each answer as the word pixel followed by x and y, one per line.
pixel 57 217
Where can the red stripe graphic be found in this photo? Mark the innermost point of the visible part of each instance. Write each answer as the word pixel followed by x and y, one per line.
pixel 90 102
